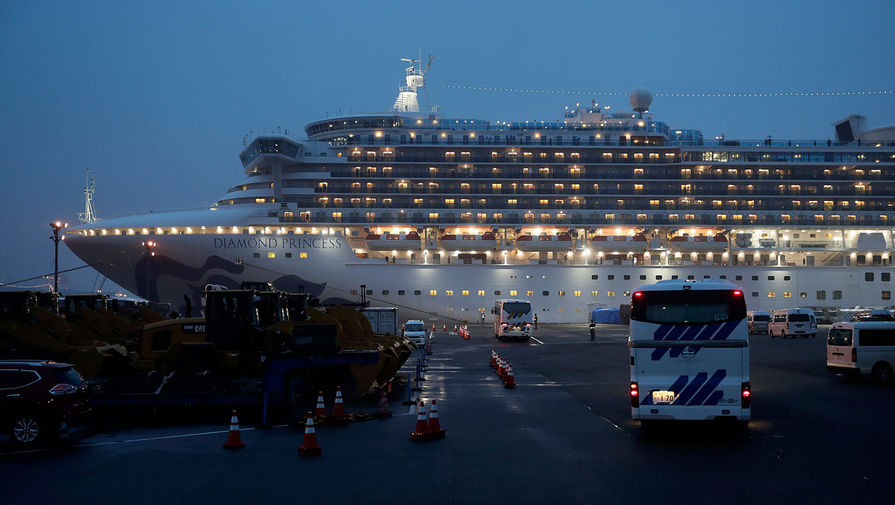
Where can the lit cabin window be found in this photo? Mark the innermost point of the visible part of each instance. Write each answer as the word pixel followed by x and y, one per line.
pixel 610 293
pixel 771 294
pixel 481 292
pixel 259 200
pixel 465 292
pixel 433 292
pixel 303 255
pixel 513 292
pixel 594 293
pixel 449 292
pixel 271 255
pixel 529 293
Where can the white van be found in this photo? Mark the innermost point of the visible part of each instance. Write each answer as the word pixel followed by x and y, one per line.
pixel 689 351
pixel 415 331
pixel 792 322
pixel 863 347
pixel 758 321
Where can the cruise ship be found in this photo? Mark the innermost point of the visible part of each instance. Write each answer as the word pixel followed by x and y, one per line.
pixel 442 216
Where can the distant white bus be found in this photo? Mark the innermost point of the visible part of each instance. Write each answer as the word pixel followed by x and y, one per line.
pixel 862 347
pixel 689 351
pixel 512 319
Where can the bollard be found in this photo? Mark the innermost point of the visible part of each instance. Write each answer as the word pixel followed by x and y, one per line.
pixel 409 399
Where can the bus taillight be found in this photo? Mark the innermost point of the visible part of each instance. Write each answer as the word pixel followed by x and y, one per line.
pixel 635 395
pixel 747 395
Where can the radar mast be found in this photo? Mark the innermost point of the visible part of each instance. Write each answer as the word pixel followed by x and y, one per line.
pixel 89 214
pixel 408 98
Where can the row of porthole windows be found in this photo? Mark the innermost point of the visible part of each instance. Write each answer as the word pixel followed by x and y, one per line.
pixel 273 255
pixel 820 295
pixel 481 309
pixel 868 276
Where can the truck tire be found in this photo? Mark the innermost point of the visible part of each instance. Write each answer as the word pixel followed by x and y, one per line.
pixel 881 373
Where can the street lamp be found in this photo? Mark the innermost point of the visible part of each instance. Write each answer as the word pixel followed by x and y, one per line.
pixel 58 225
pixel 148 245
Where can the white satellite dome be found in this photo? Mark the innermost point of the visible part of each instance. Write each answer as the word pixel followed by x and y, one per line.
pixel 640 99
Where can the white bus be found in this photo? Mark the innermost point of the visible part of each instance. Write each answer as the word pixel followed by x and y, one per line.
pixel 689 350
pixel 512 319
pixel 862 347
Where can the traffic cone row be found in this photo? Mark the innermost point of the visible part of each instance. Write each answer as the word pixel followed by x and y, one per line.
pixel 463 332
pixel 427 427
pixel 503 368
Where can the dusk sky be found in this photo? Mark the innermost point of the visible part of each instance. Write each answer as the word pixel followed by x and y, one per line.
pixel 156 97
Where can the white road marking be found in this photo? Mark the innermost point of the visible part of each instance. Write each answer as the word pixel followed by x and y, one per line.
pixel 538 341
pixel 143 439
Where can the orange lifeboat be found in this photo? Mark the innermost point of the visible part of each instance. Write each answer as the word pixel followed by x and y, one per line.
pixel 393 241
pixel 560 242
pixel 699 243
pixel 619 243
pixel 483 242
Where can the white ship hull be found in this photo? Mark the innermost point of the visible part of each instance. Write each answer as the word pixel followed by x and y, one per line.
pixel 184 263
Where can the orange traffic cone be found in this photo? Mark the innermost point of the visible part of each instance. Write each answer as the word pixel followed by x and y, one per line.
pixel 233 439
pixel 435 429
pixel 320 410
pixel 499 366
pixel 309 446
pixel 509 381
pixel 422 425
pixel 455 328
pixel 383 406
pixel 444 327
pixel 338 415
pixel 493 362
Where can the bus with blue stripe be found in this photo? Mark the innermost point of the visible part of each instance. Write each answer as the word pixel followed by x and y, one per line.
pixel 689 351
pixel 512 319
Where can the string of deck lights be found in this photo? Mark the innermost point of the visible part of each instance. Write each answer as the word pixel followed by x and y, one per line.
pixel 681 94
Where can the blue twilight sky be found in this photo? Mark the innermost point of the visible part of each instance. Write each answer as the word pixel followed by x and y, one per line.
pixel 155 97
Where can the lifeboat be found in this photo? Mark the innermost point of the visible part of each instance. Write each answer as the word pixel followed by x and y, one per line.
pixel 393 241
pixel 544 242
pixel 483 242
pixel 699 243
pixel 619 243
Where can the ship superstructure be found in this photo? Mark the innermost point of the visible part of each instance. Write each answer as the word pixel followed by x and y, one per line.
pixel 443 215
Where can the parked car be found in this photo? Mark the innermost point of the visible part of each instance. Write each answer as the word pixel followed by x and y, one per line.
pixel 39 398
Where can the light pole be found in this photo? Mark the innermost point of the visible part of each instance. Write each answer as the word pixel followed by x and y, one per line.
pixel 58 225
pixel 148 245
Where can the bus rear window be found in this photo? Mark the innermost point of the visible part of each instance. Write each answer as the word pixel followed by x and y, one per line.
pixel 797 317
pixel 839 336
pixel 688 307
pixel 522 308
pixel 761 317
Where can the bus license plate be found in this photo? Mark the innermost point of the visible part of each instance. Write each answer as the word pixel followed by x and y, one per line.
pixel 663 397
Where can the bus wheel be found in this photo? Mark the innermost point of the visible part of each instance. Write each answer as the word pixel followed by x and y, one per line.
pixel 881 372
